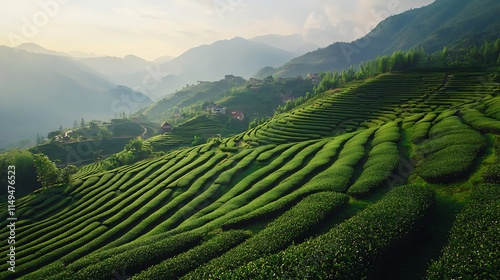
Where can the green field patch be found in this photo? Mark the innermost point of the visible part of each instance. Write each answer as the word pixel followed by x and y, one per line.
pixel 351 249
pixel 382 161
pixel 387 133
pixel 277 235
pixel 135 259
pixel 450 153
pixel 236 200
pixel 287 191
pixel 186 207
pixel 445 114
pixel 419 132
pixel 493 108
pixel 43 257
pixel 481 122
pixel 174 268
pixel 472 250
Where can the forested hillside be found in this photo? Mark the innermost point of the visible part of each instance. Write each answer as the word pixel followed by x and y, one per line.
pixel 452 23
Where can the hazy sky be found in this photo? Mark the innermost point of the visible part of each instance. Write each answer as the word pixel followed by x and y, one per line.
pixel 153 28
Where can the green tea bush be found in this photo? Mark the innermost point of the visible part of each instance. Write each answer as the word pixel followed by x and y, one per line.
pixel 331 180
pixel 188 178
pixel 336 178
pixel 428 117
pixel 419 132
pixel 277 235
pixel 136 259
pixel 450 153
pixel 387 133
pixel 382 161
pixel 41 259
pixel 354 149
pixel 271 187
pixel 493 108
pixel 185 200
pixel 492 174
pixel 445 114
pixel 36 236
pixel 175 267
pixel 472 250
pixel 481 122
pixel 465 137
pixel 253 184
pixel 349 250
pixel 450 125
pixel 449 164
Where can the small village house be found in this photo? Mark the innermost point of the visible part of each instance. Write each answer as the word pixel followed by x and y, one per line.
pixel 166 127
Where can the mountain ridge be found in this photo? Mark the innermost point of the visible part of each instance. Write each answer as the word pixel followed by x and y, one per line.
pixel 55 90
pixel 432 27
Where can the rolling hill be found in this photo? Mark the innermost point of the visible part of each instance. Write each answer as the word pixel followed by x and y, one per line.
pixel 194 95
pixel 452 23
pixel 39 92
pixel 245 101
pixel 362 181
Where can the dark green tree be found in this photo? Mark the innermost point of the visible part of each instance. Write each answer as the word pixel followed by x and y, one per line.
pixel 65 174
pixel 46 170
pixel 135 146
pixel 473 55
pixel 397 61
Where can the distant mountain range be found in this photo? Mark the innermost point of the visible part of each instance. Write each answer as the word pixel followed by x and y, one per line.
pixel 116 68
pixel 452 23
pixel 34 48
pixel 294 43
pixel 166 74
pixel 237 56
pixel 40 91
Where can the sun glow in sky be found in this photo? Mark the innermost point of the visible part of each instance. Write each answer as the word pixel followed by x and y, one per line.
pixel 154 28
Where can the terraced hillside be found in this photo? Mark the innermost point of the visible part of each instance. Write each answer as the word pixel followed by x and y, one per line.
pixel 360 182
pixel 202 127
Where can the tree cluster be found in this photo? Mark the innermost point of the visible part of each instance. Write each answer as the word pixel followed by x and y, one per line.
pixel 292 103
pixel 33 171
pixel 488 54
pixel 256 122
pixel 134 151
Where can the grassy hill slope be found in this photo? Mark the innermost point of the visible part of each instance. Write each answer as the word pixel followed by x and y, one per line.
pixel 452 23
pixel 362 181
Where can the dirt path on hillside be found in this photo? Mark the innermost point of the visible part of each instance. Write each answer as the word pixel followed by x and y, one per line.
pixel 446 81
pixel 145 131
